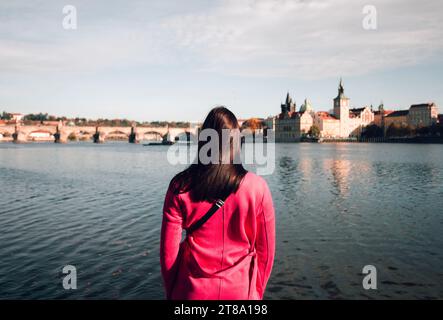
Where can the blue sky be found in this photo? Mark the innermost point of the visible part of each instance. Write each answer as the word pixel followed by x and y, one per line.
pixel 174 60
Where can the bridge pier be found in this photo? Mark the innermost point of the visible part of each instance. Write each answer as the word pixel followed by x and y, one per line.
pixel 97 138
pixel 133 138
pixel 60 138
pixel 18 137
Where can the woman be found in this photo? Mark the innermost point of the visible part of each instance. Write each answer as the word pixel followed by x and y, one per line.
pixel 230 253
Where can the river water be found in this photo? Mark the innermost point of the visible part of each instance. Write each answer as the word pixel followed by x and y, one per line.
pixel 339 207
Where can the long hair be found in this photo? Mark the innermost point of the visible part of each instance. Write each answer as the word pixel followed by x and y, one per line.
pixel 212 181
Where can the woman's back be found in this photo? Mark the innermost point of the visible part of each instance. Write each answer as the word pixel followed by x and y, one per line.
pixel 231 255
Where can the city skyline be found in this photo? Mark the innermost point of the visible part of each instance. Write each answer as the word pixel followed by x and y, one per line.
pixel 175 61
pixel 297 105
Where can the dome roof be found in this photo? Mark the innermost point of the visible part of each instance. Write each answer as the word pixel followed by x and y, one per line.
pixel 306 106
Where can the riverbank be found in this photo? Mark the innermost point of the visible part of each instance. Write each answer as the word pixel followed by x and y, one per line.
pixel 433 140
pixel 418 140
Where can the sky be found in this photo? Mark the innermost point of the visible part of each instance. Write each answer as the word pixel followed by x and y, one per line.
pixel 175 60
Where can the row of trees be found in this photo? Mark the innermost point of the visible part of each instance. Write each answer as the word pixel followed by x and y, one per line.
pixel 372 131
pixel 42 117
pixel 126 123
pixel 5 116
pixel 172 124
pixel 38 117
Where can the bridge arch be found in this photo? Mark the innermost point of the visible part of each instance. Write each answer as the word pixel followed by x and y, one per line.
pixel 115 135
pixel 5 133
pixel 40 135
pixel 151 135
pixel 79 135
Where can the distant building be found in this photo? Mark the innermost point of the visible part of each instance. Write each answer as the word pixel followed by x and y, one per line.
pixel 358 119
pixel 418 115
pixel 291 125
pixel 399 117
pixel 380 115
pixel 423 115
pixel 344 122
pixel 328 124
pixel 289 105
pixel 307 107
pixel 17 117
pixel 341 111
pixel 269 122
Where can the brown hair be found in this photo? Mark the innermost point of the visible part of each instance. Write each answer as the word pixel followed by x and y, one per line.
pixel 209 182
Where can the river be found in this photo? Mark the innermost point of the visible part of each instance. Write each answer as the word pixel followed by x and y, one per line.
pixel 339 207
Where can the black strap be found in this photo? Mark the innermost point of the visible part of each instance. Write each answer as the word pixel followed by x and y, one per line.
pixel 217 205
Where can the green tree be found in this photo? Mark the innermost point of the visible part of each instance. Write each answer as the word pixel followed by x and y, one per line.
pixel 372 131
pixel 400 130
pixel 393 130
pixel 314 131
pixel 36 117
pixel 6 116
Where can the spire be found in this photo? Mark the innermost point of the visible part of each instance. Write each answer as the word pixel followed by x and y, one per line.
pixel 288 99
pixel 341 89
pixel 381 107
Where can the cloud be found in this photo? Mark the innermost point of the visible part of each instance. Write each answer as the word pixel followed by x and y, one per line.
pixel 309 39
pixel 94 49
pixel 32 39
pixel 262 38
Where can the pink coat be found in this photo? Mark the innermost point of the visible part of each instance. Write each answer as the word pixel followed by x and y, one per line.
pixel 230 256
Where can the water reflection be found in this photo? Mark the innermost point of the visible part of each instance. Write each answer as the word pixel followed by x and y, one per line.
pixel 340 170
pixel 306 167
pixel 288 176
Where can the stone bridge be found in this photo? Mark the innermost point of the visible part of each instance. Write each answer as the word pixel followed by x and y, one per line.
pixel 61 133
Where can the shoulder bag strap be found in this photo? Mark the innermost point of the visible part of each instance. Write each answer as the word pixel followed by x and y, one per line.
pixel 217 205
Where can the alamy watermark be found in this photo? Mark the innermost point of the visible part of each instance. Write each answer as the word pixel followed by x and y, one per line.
pixel 70 280
pixel 370 17
pixel 370 280
pixel 69 21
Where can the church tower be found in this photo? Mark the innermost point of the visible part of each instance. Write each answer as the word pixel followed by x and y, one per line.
pixel 341 103
pixel 289 105
pixel 381 111
pixel 341 110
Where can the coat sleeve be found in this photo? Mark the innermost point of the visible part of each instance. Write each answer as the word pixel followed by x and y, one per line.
pixel 265 241
pixel 171 233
